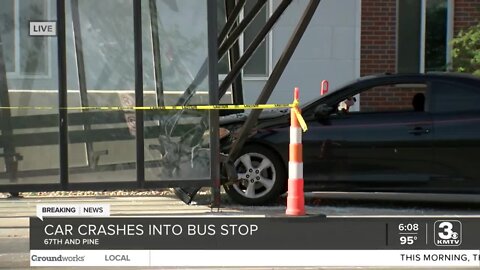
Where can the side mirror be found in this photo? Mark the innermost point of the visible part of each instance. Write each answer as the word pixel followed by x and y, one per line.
pixel 322 112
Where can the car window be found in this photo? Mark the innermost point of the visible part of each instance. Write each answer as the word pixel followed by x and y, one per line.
pixel 392 98
pixel 453 97
pixel 388 97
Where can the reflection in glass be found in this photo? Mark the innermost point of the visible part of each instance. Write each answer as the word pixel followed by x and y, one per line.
pixel 100 60
pixel 409 36
pixel 28 77
pixel 8 30
pixel 436 36
pixel 257 65
pixel 33 53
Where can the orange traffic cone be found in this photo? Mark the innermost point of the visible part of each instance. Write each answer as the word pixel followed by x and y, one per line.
pixel 296 197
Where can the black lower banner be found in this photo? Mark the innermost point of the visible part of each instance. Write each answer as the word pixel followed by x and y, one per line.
pixel 274 241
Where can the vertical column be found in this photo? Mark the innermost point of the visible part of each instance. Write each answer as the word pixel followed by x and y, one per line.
pixel 137 35
pixel 213 99
pixel 62 93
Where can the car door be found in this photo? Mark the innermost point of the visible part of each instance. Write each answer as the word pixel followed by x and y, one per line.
pixel 456 116
pixel 384 146
pixel 324 156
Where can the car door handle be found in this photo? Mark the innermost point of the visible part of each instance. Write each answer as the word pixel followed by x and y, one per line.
pixel 419 131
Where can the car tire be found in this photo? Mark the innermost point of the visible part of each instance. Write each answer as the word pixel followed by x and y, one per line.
pixel 262 176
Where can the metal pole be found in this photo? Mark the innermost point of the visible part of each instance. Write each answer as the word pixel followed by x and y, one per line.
pixel 82 84
pixel 275 76
pixel 213 99
pixel 62 93
pixel 139 125
pixel 157 61
pixel 234 55
pixel 232 15
pixel 5 121
pixel 253 47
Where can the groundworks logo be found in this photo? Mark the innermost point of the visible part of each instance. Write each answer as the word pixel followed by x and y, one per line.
pixel 59 258
pixel 448 233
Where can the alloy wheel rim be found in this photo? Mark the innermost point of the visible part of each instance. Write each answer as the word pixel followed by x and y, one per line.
pixel 256 175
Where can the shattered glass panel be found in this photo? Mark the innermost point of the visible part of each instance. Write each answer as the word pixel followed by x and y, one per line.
pixel 176 142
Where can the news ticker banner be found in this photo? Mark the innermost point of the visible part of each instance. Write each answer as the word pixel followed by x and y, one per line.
pixel 255 241
pixel 73 210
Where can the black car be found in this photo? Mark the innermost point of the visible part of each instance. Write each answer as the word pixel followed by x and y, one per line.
pixel 412 133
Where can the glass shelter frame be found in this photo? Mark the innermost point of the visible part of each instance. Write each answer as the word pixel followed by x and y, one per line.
pixel 64 118
pixel 217 47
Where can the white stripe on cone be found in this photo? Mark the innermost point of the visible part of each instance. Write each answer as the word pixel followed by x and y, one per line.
pixel 295 170
pixel 295 135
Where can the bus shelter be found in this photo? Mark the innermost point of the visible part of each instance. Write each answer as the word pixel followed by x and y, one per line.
pixel 63 62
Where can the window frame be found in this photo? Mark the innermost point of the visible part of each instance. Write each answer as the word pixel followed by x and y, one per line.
pixel 269 53
pixel 17 74
pixel 354 89
pixel 423 25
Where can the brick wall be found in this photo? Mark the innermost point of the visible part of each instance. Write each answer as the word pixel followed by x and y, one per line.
pixel 378 41
pixel 466 14
pixel 378 47
pixel 389 98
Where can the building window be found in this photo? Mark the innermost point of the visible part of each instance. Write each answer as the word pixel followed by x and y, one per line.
pixel 423 35
pixel 257 66
pixel 24 55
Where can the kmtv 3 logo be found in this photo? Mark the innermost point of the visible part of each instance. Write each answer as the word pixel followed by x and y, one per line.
pixel 448 233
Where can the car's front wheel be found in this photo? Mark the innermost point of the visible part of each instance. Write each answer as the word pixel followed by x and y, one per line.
pixel 261 175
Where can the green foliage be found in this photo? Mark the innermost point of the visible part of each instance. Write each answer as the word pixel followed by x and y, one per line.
pixel 466 51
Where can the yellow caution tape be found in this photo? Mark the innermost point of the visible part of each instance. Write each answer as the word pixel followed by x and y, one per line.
pixel 127 108
pixel 294 106
pixel 300 119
